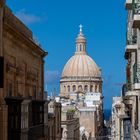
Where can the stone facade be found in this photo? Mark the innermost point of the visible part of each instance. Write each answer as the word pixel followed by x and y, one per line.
pixel 70 126
pixel 54 121
pixel 121 128
pixel 22 86
pixel 86 116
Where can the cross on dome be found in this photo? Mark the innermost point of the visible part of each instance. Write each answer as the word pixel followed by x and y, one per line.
pixel 80 26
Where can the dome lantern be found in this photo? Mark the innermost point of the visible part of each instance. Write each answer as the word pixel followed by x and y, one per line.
pixel 81 42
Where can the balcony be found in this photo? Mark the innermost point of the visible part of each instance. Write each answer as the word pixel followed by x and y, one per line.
pixel 126 88
pixel 131 48
pixel 128 4
pixel 136 86
pixel 136 21
pixel 131 42
pixel 131 93
pixel 136 76
pixel 130 89
pixel 136 13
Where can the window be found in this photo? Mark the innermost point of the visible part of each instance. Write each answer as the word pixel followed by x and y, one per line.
pixel 95 88
pixel 91 88
pixel 10 89
pixel 14 119
pixel 34 91
pixel 68 88
pixel 86 88
pixel 74 88
pixel 37 113
pixel 64 88
pixel 80 47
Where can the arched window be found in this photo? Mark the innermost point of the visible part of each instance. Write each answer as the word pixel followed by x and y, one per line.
pixel 80 47
pixel 64 88
pixel 96 88
pixel 86 88
pixel 68 88
pixel 91 88
pixel 73 87
pixel 80 88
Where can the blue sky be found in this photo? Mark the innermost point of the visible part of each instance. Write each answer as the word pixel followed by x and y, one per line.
pixel 55 24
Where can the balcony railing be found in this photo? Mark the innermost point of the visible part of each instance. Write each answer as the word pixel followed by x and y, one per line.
pixel 136 13
pixel 131 38
pixel 136 6
pixel 131 42
pixel 136 73
pixel 126 87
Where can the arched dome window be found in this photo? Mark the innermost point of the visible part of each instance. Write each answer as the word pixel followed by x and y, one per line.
pixel 64 88
pixel 91 88
pixel 68 88
pixel 96 88
pixel 86 88
pixel 80 88
pixel 80 47
pixel 74 87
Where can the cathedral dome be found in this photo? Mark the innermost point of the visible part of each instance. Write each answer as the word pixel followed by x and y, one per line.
pixel 81 65
pixel 80 74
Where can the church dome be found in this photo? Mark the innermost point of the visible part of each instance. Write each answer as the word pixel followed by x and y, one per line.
pixel 81 65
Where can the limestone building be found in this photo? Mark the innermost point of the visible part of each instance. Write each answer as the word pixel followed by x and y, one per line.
pixel 131 89
pixel 54 120
pixel 80 74
pixel 70 124
pixel 22 106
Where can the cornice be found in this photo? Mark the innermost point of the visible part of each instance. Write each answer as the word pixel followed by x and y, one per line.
pixel 80 79
pixel 19 30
